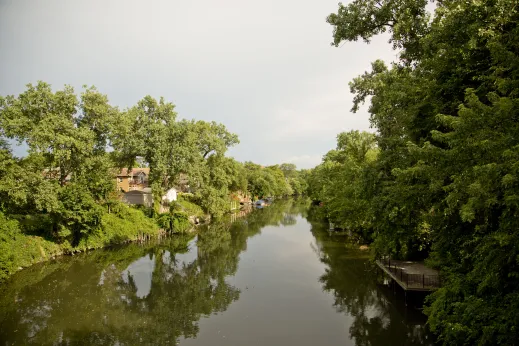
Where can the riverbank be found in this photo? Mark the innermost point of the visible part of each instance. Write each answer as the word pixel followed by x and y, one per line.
pixel 301 281
pixel 19 249
pixel 21 246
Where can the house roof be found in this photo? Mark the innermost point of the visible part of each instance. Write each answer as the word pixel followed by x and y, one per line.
pixel 133 172
pixel 145 191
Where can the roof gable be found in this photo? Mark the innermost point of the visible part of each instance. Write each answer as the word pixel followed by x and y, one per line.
pixel 133 172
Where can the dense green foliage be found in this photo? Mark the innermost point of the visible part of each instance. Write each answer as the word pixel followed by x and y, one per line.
pixel 342 182
pixel 277 180
pixel 20 250
pixel 184 204
pixel 439 180
pixel 61 197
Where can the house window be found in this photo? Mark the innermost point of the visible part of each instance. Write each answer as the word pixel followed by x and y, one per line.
pixel 120 180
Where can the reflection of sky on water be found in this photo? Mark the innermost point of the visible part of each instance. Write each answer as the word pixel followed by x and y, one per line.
pixel 188 257
pixel 141 271
pixel 276 279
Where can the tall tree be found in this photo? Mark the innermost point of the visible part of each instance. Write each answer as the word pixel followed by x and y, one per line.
pixel 446 114
pixel 147 130
pixel 47 122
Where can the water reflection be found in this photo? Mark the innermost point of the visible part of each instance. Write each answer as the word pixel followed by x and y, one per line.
pixel 158 293
pixel 378 314
pixel 148 294
pixel 139 273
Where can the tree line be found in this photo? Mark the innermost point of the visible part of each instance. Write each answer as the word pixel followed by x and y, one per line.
pixel 439 179
pixel 63 192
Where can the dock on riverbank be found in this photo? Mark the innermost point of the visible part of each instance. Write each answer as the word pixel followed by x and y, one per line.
pixel 411 276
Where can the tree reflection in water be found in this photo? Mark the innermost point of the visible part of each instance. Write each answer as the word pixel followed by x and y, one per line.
pixel 94 298
pixel 349 277
pixel 146 293
pixel 156 293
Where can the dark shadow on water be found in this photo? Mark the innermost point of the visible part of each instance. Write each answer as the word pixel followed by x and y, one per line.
pixel 380 314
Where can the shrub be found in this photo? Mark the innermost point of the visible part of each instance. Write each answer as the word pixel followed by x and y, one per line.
pixel 188 207
pixel 125 225
pixel 20 250
pixel 180 222
pixel 175 221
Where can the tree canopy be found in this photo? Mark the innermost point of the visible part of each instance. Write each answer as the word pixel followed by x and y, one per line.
pixel 438 180
pixel 64 189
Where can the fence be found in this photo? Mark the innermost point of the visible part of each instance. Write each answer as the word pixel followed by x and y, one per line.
pixel 417 281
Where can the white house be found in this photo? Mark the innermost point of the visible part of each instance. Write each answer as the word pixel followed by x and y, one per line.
pixel 170 196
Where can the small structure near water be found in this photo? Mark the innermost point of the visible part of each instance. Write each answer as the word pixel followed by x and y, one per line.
pixel 139 197
pixel 262 203
pixel 145 197
pixel 411 276
pixel 170 195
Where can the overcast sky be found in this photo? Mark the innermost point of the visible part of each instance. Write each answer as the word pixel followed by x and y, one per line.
pixel 265 69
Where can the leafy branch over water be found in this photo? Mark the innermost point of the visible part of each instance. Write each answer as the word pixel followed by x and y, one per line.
pixel 439 179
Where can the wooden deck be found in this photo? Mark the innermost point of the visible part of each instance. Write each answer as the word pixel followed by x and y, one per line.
pixel 411 276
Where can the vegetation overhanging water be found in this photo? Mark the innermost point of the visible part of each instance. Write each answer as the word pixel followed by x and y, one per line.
pixel 275 276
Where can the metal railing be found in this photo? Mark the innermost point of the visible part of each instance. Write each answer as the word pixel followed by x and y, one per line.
pixel 424 281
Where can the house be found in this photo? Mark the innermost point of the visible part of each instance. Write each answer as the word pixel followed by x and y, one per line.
pixel 170 196
pixel 145 197
pixel 135 179
pixel 139 197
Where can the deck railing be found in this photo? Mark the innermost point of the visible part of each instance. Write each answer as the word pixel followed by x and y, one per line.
pixel 424 281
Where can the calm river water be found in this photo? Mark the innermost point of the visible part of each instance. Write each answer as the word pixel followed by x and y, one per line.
pixel 270 278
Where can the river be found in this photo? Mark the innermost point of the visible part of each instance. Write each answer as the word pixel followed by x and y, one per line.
pixel 270 278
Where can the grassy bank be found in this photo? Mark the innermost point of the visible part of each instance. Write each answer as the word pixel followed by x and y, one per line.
pixel 20 249
pixel 26 240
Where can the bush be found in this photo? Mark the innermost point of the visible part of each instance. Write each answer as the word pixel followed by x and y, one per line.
pixel 180 222
pixel 148 211
pixel 175 221
pixel 20 250
pixel 78 214
pixel 40 225
pixel 188 207
pixel 164 221
pixel 126 224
